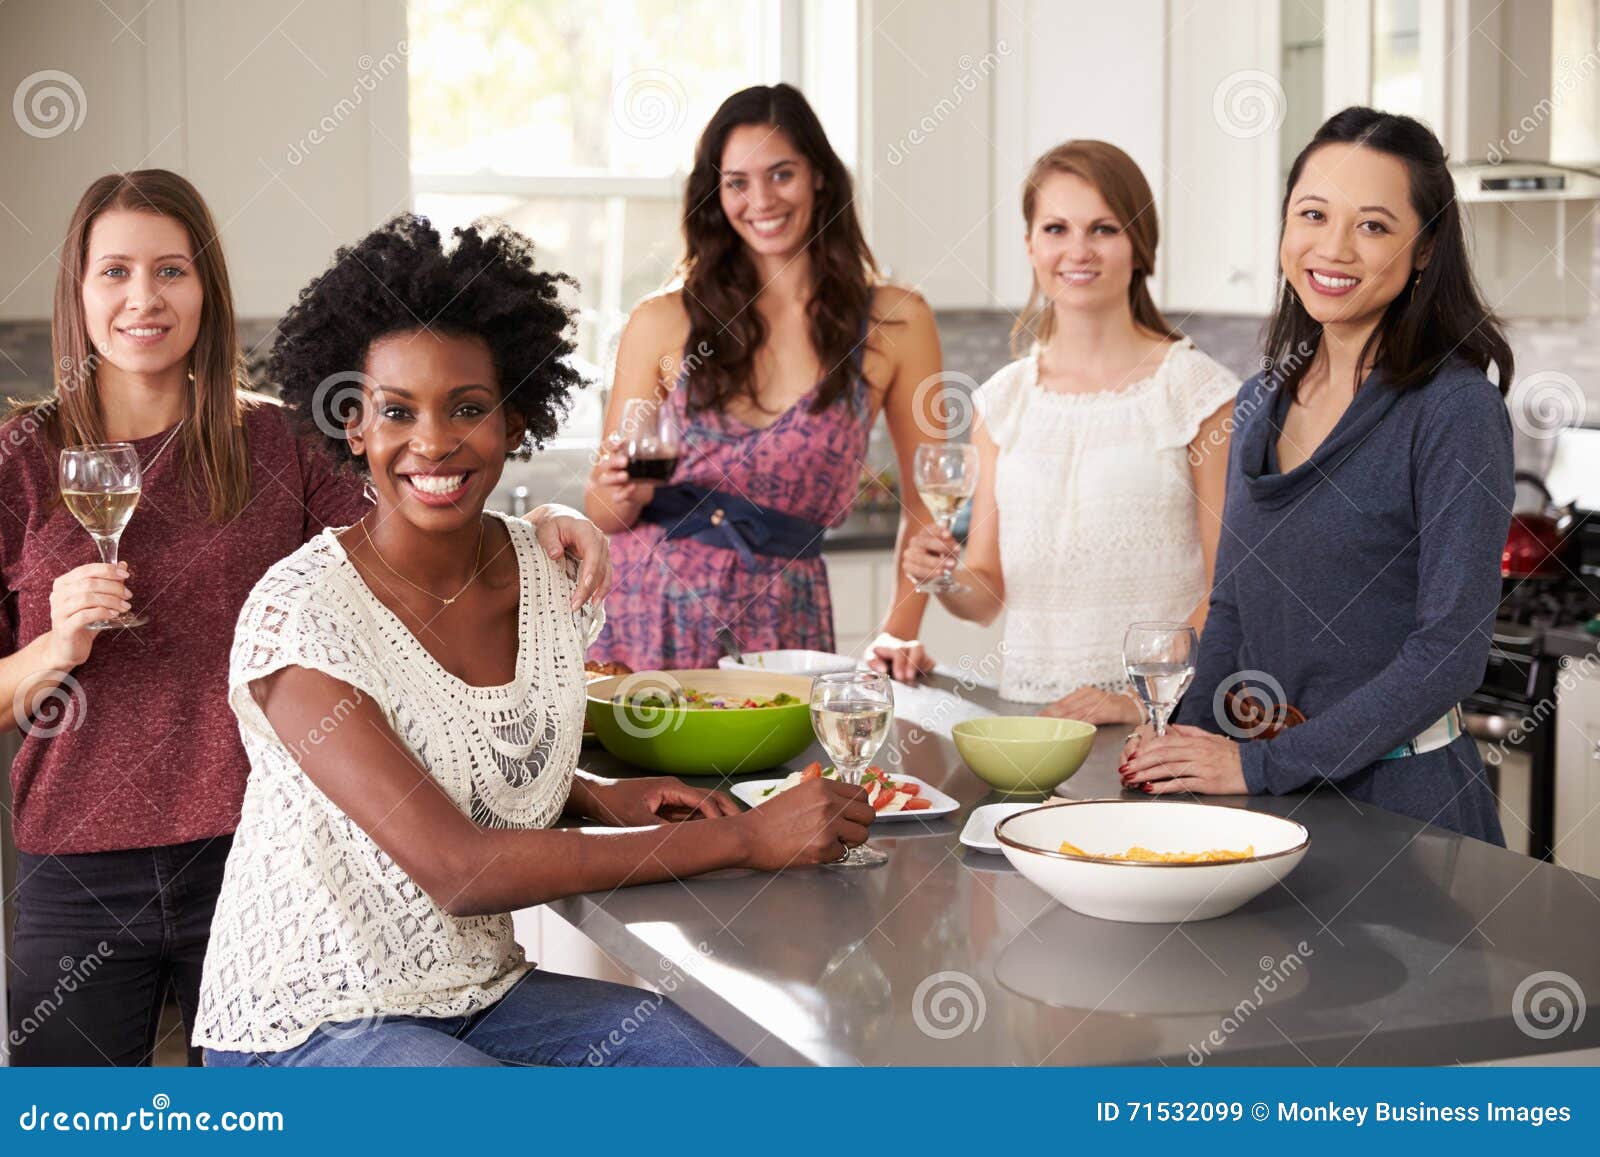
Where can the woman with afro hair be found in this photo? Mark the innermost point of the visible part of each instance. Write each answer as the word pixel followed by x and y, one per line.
pixel 130 775
pixel 410 690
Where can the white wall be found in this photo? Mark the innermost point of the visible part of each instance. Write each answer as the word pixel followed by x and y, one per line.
pixel 224 94
pixel 1016 77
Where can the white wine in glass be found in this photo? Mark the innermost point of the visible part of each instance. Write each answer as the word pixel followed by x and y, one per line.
pixel 100 487
pixel 946 474
pixel 851 713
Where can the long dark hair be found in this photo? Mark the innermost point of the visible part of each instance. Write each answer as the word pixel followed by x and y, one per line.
pixel 1127 194
pixel 213 445
pixel 720 280
pixel 1439 314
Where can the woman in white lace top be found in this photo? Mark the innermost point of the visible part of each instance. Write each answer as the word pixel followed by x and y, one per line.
pixel 1103 451
pixel 410 692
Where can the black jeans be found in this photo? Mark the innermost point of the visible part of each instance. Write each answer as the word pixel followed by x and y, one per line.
pixel 100 939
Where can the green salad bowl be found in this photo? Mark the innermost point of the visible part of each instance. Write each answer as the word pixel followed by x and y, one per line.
pixel 1023 754
pixel 643 731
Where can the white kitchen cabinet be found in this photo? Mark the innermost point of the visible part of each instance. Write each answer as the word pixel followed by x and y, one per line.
pixel 863 582
pixel 557 946
pixel 1578 769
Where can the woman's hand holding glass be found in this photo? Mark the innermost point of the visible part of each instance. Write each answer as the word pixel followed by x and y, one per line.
pixel 96 592
pixel 625 497
pixel 1184 759
pixel 929 553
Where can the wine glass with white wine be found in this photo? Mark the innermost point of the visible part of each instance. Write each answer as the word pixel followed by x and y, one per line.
pixel 851 712
pixel 100 486
pixel 946 474
pixel 1159 660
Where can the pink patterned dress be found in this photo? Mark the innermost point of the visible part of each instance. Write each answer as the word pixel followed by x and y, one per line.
pixel 672 595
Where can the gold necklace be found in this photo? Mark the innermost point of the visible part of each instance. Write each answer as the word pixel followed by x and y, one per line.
pixel 477 568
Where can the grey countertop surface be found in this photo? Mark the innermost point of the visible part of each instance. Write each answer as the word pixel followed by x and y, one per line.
pixel 1393 942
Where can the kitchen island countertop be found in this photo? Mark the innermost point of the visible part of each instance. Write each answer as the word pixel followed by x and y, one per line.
pixel 1392 943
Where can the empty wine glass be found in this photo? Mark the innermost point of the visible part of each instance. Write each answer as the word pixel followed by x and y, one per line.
pixel 946 474
pixel 100 486
pixel 851 712
pixel 1159 660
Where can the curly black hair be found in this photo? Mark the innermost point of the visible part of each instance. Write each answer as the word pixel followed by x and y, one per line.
pixel 399 278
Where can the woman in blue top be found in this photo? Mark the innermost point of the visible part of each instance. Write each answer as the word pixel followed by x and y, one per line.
pixel 1369 492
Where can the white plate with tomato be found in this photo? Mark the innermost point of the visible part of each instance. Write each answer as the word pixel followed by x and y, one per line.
pixel 893 797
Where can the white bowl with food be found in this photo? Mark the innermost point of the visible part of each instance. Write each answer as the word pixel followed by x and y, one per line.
pixel 790 662
pixel 1151 861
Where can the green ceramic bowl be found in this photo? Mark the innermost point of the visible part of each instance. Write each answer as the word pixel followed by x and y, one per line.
pixel 698 741
pixel 1023 754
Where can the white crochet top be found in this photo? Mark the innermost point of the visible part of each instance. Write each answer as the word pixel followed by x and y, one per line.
pixel 1097 515
pixel 315 923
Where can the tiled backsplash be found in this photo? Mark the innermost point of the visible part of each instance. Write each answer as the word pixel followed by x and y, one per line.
pixel 976 343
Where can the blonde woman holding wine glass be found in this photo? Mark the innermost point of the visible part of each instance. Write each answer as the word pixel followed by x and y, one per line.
pixel 128 783
pixel 1101 453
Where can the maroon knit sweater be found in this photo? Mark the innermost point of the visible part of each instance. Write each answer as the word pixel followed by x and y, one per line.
pixel 140 748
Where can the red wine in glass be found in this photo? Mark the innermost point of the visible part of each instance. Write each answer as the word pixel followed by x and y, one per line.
pixel 656 467
pixel 652 439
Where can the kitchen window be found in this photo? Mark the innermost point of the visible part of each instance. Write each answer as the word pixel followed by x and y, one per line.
pixel 574 121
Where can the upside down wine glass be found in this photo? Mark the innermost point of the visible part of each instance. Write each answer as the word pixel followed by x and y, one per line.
pixel 850 713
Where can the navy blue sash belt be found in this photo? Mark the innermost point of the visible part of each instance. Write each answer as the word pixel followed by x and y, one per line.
pixel 717 518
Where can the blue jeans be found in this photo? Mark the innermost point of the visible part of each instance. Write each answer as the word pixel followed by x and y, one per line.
pixel 546 1019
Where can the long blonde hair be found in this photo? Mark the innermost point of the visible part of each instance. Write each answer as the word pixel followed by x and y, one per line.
pixel 212 444
pixel 1119 181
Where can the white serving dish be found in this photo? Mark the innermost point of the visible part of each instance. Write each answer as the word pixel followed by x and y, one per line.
pixel 792 662
pixel 979 831
pixel 750 793
pixel 1150 893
